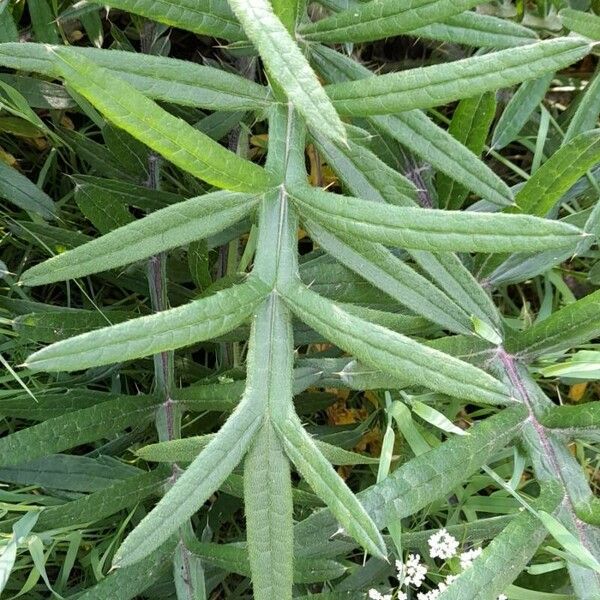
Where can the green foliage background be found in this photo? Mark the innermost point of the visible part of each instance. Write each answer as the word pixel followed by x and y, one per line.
pixel 288 287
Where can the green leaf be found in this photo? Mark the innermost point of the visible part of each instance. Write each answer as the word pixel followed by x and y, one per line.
pixel 586 114
pixel 329 486
pixel 161 78
pixel 268 507
pixel 470 125
pixel 172 226
pixel 74 429
pixel 288 67
pixel 204 17
pixel 42 21
pixel 505 557
pixel 177 141
pixel 379 266
pixel 232 558
pixel 561 171
pixel 421 136
pixel 168 330
pixel 417 483
pixel 393 353
pixel 196 484
pixel 478 30
pixel 378 20
pixel 99 505
pixel 581 22
pixel 430 229
pixel 519 110
pixel 21 192
pixel 39 93
pixel 577 421
pixel 8 555
pixel 572 325
pixel 439 84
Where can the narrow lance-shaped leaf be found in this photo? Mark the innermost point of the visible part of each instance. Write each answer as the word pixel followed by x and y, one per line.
pixel 288 67
pixel 380 267
pixel 376 20
pixel 205 17
pixel 168 330
pixel 162 230
pixel 572 325
pixel 430 229
pixel 416 483
pixel 581 22
pixel 439 84
pixel 267 480
pixel 519 109
pixel 157 77
pixel 394 353
pixel 561 171
pixel 197 483
pixel 423 137
pixel 329 486
pixel 586 114
pixel 172 137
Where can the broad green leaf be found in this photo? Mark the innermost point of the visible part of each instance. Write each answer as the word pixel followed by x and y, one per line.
pixel 478 30
pixel 168 330
pixel 505 557
pixel 74 429
pixel 519 110
pixel 105 214
pixel 439 84
pixel 21 192
pixel 196 484
pixel 416 483
pixel 329 486
pixel 287 66
pixel 39 93
pixel 98 505
pixel 43 21
pixel 418 133
pixel 379 266
pixel 581 22
pixel 470 125
pixel 204 17
pixel 430 229
pixel 8 29
pixel 572 325
pixel 377 20
pixel 393 353
pixel 157 77
pixel 177 141
pixel 167 228
pixel 561 171
pixel 233 558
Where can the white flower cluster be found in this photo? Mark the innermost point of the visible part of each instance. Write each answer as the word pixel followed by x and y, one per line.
pixel 412 573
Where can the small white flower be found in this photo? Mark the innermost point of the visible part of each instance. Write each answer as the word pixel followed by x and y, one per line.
pixel 376 595
pixel 502 597
pixel 430 595
pixel 401 596
pixel 442 545
pixel 450 579
pixel 467 558
pixel 414 572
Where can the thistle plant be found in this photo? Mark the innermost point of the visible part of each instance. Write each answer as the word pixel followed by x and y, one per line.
pixel 438 259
